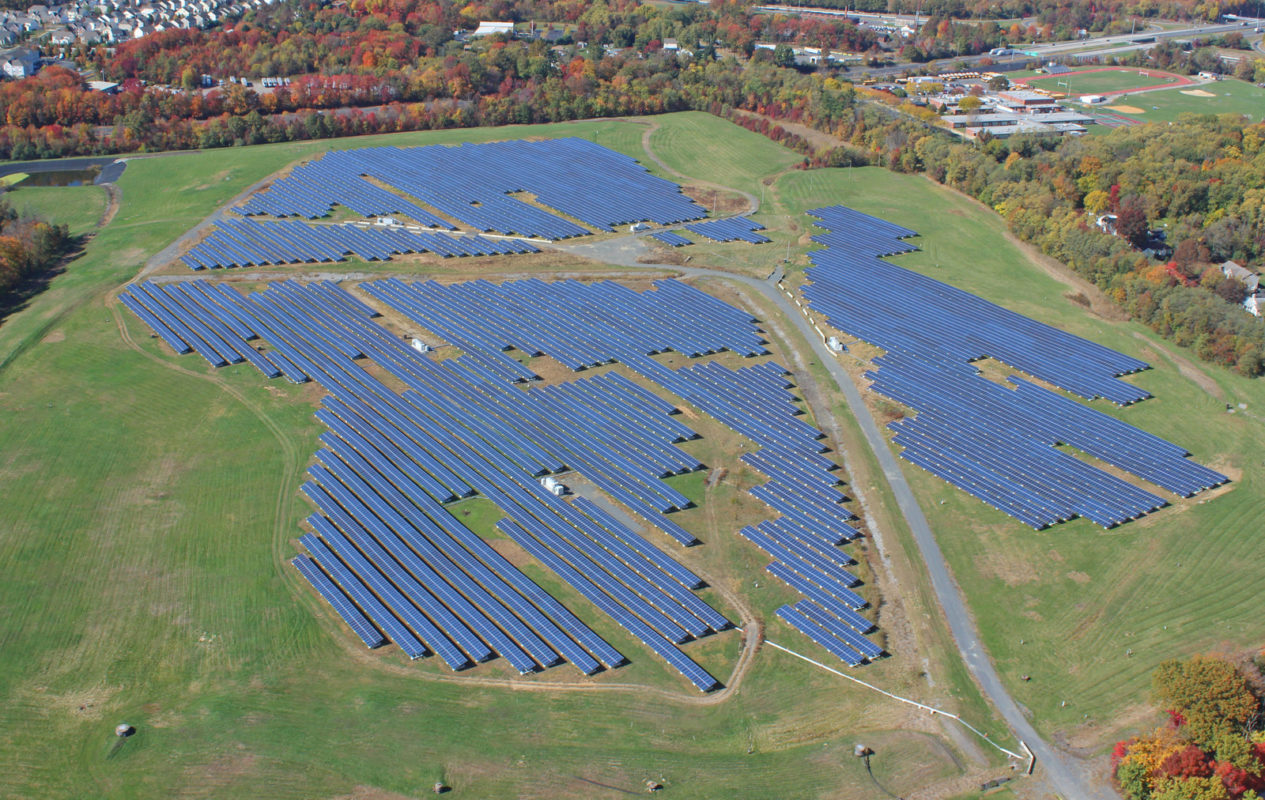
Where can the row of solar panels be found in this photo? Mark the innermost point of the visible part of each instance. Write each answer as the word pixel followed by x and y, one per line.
pixel 812 522
pixel 732 229
pixel 670 238
pixel 997 442
pixel 573 179
pixel 1016 466
pixel 306 192
pixel 245 242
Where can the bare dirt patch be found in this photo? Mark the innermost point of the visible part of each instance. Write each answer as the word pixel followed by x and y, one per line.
pixel 1127 109
pixel 511 552
pixel 718 201
pixel 206 780
pixel 1012 570
pixel 1079 577
pixel 552 371
pixel 82 703
pixel 1196 92
pixel 1134 719
pixel 664 256
pixel 818 139
pixel 54 337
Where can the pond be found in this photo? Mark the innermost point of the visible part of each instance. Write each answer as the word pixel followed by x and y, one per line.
pixel 62 177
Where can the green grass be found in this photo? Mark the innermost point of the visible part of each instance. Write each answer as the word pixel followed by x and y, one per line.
pixel 79 207
pixel 1166 105
pixel 710 148
pixel 1112 80
pixel 151 504
pixel 1064 606
pixel 479 515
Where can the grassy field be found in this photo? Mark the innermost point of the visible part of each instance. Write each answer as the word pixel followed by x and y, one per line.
pixel 150 505
pixel 1099 82
pixel 79 207
pixel 1086 613
pixel 1165 105
pixel 709 147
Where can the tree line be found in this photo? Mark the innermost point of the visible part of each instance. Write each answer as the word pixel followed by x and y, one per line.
pixel 1213 745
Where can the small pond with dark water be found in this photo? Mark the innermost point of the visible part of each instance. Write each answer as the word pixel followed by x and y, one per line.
pixel 62 177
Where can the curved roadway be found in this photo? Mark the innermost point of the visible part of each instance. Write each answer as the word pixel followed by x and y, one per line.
pixel 1065 778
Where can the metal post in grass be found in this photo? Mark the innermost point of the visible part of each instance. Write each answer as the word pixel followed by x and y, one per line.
pixel 122 732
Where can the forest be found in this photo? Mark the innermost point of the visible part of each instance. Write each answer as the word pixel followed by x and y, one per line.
pixel 375 66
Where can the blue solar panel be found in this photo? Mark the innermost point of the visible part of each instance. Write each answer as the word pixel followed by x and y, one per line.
pixel 239 242
pixel 733 229
pixel 355 619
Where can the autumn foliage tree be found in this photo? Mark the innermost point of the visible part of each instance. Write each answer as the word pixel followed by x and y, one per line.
pixel 1211 749
pixel 1211 695
pixel 28 246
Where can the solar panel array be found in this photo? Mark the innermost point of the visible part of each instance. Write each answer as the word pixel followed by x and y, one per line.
pixel 245 242
pixel 996 441
pixel 731 229
pixel 900 310
pixel 670 238
pixel 569 179
pixel 588 325
pixel 393 559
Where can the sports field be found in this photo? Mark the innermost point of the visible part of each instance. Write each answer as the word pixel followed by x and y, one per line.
pixel 151 504
pixel 1104 80
pixel 1227 96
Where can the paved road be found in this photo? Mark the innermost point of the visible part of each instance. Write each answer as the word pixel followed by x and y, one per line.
pixel 1063 774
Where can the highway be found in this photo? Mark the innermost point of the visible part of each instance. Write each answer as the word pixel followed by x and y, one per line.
pixel 1104 45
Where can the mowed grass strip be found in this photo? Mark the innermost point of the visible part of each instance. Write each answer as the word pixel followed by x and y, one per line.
pixel 712 149
pixel 1085 613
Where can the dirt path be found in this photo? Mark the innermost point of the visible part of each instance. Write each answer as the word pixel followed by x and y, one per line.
pixel 1188 369
pixel 113 197
pixel 753 205
pixel 819 139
